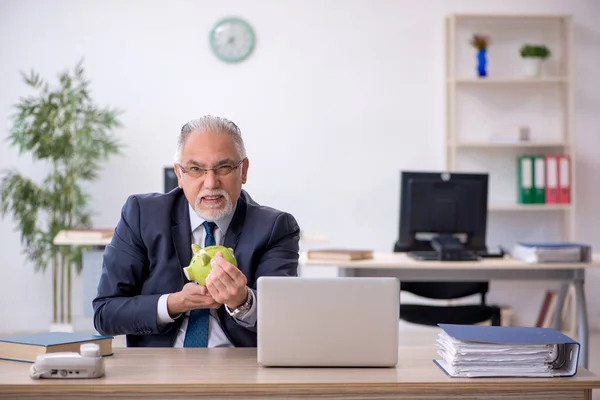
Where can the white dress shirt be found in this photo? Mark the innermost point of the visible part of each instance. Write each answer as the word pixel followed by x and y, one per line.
pixel 216 336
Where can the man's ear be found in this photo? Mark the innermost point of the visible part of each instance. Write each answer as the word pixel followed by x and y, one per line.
pixel 245 166
pixel 179 175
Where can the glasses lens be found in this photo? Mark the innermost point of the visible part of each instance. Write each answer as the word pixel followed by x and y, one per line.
pixel 224 169
pixel 195 172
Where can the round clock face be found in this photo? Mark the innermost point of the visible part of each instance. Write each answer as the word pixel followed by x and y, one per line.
pixel 232 39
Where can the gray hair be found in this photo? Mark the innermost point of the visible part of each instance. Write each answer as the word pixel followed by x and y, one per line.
pixel 214 124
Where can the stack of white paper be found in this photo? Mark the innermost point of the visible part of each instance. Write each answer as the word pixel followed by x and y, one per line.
pixel 480 359
pixel 541 253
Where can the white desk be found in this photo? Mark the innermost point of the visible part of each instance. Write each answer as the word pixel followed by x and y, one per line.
pixel 92 263
pixel 408 269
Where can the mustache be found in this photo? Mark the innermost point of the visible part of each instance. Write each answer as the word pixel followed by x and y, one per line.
pixel 213 192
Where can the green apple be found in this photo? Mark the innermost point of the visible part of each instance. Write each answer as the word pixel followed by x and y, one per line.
pixel 200 267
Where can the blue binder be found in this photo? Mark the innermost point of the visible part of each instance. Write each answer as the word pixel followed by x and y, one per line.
pixel 566 354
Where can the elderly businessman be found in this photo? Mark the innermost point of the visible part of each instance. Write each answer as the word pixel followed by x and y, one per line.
pixel 143 292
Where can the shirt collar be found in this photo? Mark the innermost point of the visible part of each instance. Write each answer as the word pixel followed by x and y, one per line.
pixel 197 221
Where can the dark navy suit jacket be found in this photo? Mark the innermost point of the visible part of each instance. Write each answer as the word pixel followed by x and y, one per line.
pixel 152 244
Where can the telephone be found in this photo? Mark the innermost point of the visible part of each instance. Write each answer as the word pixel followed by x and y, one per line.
pixel 86 364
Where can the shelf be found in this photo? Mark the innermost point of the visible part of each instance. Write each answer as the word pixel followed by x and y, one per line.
pixel 529 207
pixel 479 109
pixel 522 17
pixel 492 145
pixel 508 81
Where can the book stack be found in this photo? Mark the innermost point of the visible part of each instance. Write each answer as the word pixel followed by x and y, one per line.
pixel 470 351
pixel 86 236
pixel 340 254
pixel 552 252
pixel 90 233
pixel 544 179
pixel 568 314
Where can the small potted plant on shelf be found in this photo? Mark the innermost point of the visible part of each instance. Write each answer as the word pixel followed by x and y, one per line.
pixel 481 43
pixel 533 55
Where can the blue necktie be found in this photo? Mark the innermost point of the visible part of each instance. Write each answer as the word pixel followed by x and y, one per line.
pixel 196 334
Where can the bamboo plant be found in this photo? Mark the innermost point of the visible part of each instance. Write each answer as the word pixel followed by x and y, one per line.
pixel 67 136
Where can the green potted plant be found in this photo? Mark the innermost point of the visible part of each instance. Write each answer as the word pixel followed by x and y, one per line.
pixel 533 55
pixel 68 136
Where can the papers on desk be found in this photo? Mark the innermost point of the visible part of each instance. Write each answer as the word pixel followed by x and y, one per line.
pixel 504 351
pixel 552 252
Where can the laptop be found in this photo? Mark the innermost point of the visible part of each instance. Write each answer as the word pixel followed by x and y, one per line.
pixel 328 322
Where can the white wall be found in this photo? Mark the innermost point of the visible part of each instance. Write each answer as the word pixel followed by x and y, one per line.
pixel 337 98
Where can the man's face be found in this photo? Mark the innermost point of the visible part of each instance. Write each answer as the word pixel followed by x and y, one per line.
pixel 211 194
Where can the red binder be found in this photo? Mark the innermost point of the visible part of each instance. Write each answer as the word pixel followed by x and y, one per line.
pixel 564 179
pixel 552 193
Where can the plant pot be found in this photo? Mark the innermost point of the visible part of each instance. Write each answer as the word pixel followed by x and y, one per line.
pixel 532 66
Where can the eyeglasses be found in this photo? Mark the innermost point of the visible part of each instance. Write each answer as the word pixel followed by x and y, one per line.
pixel 222 170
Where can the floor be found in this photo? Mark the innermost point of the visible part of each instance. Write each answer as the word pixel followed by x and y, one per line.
pixel 426 336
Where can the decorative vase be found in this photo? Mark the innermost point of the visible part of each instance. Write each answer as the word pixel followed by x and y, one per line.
pixel 482 62
pixel 532 66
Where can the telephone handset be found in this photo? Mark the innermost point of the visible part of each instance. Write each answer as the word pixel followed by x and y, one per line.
pixel 86 364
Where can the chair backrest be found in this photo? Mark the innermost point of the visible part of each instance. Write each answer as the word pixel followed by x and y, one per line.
pixel 446 290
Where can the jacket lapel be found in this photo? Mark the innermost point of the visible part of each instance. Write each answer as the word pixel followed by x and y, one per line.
pixel 181 232
pixel 237 223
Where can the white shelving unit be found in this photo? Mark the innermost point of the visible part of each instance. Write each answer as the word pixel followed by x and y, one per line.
pixel 508 81
pixel 504 145
pixel 476 107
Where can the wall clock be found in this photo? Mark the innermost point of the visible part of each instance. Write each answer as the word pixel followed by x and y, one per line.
pixel 232 39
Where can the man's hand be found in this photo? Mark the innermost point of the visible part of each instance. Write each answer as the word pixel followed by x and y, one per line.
pixel 191 297
pixel 226 283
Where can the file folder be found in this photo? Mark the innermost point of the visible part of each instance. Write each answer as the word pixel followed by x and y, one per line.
pixel 506 351
pixel 552 194
pixel 564 179
pixel 525 171
pixel 539 179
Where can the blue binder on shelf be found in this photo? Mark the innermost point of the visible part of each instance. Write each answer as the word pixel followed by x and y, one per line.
pixel 506 351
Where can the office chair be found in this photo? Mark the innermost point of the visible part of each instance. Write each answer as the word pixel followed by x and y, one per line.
pixel 444 204
pixel 461 314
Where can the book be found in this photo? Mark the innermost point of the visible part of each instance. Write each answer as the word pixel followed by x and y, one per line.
pixel 470 351
pixel 340 254
pixel 568 314
pixel 546 314
pixel 89 233
pixel 27 347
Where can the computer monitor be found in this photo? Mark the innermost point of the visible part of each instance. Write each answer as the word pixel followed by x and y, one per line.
pixel 169 178
pixel 443 215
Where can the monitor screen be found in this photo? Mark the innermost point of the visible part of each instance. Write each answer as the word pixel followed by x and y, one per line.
pixel 170 179
pixel 442 204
